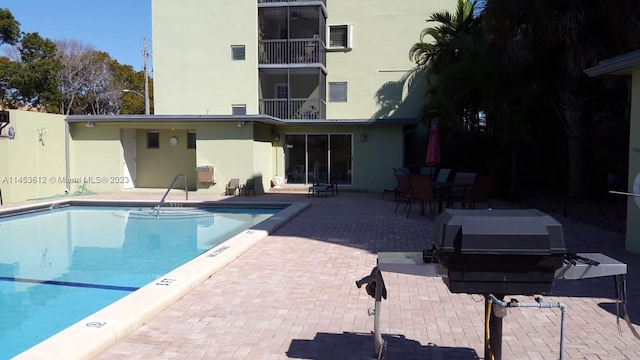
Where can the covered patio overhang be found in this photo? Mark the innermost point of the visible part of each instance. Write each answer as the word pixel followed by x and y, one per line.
pixel 628 65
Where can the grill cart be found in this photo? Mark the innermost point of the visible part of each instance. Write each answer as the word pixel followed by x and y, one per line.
pixel 493 253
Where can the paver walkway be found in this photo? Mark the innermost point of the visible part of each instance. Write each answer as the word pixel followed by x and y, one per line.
pixel 293 296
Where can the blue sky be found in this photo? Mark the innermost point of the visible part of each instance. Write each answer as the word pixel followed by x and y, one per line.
pixel 117 27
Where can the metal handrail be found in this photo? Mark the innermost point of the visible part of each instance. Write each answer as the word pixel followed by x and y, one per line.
pixel 169 189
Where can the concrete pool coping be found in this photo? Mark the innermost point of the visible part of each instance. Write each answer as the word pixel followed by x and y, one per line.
pixel 92 335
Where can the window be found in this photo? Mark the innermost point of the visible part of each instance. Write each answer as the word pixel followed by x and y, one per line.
pixel 191 140
pixel 153 140
pixel 338 92
pixel 237 52
pixel 340 36
pixel 240 109
pixel 282 90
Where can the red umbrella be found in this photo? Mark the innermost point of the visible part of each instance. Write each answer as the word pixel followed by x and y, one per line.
pixel 433 149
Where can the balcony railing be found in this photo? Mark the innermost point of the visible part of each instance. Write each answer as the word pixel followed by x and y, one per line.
pixel 299 51
pixel 303 109
pixel 286 1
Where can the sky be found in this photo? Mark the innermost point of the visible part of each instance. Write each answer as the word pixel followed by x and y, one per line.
pixel 117 27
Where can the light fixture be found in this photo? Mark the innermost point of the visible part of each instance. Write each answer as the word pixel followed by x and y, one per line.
pixel 145 96
pixel 173 141
pixel 240 124
pixel 41 133
pixel 90 124
pixel 363 137
pixel 276 138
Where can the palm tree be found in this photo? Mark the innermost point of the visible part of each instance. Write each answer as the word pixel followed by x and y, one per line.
pixel 451 26
pixel 445 59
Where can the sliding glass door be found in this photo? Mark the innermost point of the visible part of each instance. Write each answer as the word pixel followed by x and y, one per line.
pixel 318 158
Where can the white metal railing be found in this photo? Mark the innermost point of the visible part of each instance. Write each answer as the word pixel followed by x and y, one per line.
pixel 286 1
pixel 169 189
pixel 307 109
pixel 299 51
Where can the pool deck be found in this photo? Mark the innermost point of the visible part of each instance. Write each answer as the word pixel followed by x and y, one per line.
pixel 293 296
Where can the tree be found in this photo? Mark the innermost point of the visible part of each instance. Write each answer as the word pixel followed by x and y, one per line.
pixel 78 63
pixel 92 82
pixel 128 79
pixel 9 28
pixel 7 69
pixel 37 81
pixel 438 52
pixel 548 44
pixel 454 92
pixel 9 34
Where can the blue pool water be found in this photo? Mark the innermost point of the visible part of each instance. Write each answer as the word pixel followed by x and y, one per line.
pixel 59 266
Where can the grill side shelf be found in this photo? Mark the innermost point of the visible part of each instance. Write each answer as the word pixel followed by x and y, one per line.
pixel 576 270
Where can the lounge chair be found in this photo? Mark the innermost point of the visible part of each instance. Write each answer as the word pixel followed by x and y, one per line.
pixel 318 188
pixel 233 187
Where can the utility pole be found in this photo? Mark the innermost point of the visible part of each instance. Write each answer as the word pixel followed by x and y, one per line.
pixel 145 55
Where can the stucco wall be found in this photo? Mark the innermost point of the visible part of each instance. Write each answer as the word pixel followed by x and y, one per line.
pixel 372 159
pixel 633 206
pixel 96 158
pixel 229 149
pixel 193 69
pixel 32 165
pixel 194 73
pixel 156 168
pixel 383 33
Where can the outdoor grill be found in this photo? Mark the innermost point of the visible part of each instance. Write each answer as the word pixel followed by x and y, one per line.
pixel 515 251
pixel 495 253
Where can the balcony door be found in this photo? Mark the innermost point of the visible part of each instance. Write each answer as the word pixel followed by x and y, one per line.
pixel 318 158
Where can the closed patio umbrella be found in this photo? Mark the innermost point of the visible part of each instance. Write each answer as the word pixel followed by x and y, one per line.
pixel 433 148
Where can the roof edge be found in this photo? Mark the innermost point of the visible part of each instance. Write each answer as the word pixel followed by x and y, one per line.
pixel 619 65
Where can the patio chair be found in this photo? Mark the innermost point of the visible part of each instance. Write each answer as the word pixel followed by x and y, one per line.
pixel 233 186
pixel 428 170
pixel 462 188
pixel 393 191
pixel 482 191
pixel 443 175
pixel 440 187
pixel 404 190
pixel 249 186
pixel 332 186
pixel 422 191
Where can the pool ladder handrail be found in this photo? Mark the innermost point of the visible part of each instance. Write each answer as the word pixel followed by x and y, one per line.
pixel 169 189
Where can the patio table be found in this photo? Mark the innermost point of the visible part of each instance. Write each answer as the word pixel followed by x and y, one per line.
pixel 444 191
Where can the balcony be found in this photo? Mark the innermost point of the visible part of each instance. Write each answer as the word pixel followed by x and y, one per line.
pixel 289 1
pixel 299 51
pixel 301 109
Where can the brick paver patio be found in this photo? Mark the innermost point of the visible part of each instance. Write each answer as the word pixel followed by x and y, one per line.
pixel 293 296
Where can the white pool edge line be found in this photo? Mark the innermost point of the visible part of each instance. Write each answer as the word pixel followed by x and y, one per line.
pixel 94 334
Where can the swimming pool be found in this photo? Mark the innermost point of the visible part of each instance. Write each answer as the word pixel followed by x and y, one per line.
pixel 91 257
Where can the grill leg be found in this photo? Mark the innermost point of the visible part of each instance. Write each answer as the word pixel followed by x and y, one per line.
pixel 492 331
pixel 376 289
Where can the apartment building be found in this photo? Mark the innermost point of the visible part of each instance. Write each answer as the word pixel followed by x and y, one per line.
pixel 330 73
